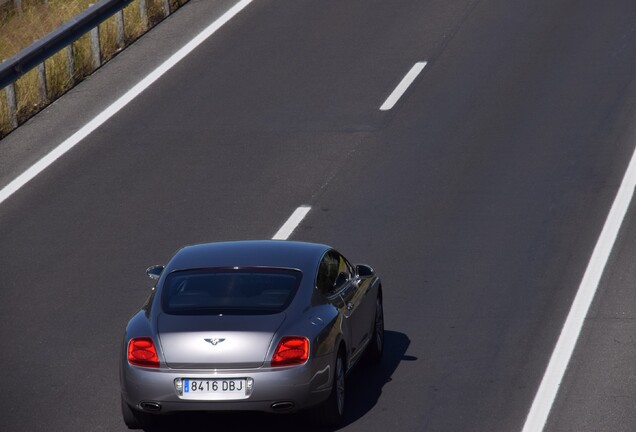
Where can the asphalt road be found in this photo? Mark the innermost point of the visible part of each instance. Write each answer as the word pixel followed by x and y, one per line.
pixel 478 198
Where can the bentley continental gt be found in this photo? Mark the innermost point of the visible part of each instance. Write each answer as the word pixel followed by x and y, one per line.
pixel 270 325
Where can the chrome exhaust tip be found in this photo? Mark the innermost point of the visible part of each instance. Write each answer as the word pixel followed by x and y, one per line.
pixel 282 406
pixel 150 406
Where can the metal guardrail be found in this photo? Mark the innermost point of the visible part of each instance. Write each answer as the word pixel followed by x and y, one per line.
pixel 17 108
pixel 39 51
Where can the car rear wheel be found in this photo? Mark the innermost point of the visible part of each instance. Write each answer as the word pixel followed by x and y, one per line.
pixel 136 419
pixel 376 346
pixel 331 412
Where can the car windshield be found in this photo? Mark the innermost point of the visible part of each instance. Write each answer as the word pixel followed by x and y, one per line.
pixel 233 291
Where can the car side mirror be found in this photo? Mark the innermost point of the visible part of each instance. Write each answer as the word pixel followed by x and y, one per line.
pixel 340 280
pixel 364 270
pixel 155 271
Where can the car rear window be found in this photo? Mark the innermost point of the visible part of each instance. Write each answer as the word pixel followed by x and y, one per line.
pixel 233 291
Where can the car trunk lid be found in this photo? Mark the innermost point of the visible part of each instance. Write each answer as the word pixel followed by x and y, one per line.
pixel 216 341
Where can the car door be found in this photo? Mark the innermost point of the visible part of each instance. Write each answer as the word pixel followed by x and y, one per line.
pixel 358 303
pixel 333 283
pixel 338 281
pixel 348 285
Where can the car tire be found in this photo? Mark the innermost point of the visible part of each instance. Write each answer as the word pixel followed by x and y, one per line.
pixel 331 412
pixel 128 415
pixel 376 345
pixel 135 419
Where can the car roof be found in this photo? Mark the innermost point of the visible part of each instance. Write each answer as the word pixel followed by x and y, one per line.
pixel 251 253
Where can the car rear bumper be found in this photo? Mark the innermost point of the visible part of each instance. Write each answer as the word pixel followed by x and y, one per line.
pixel 281 389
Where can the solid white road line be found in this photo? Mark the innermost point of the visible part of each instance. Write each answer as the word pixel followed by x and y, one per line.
pixel 116 106
pixel 403 85
pixel 294 220
pixel 544 399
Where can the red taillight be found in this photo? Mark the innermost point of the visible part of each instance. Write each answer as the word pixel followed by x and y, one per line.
pixel 142 352
pixel 291 350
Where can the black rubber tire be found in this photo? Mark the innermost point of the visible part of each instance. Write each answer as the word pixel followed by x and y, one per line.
pixel 135 419
pixel 128 415
pixel 376 345
pixel 331 412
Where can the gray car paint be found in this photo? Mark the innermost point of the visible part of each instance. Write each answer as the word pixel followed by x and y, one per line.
pixel 327 323
pixel 245 340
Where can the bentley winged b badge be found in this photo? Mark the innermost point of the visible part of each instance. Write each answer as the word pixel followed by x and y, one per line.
pixel 215 341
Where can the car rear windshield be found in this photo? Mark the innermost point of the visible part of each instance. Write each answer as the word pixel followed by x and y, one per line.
pixel 233 291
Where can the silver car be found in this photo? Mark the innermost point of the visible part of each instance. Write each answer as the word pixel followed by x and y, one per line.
pixel 270 326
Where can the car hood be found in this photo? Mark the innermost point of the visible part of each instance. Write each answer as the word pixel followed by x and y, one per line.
pixel 216 342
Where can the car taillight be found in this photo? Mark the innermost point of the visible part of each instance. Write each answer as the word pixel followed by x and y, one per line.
pixel 291 350
pixel 142 352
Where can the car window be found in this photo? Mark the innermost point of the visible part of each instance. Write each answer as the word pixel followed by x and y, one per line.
pixel 242 291
pixel 334 272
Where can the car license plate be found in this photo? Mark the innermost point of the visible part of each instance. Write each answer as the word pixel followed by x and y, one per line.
pixel 214 389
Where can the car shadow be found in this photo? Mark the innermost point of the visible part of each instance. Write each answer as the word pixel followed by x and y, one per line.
pixel 366 381
pixel 364 388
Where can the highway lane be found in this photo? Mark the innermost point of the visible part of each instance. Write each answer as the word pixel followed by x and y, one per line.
pixel 478 198
pixel 500 246
pixel 598 389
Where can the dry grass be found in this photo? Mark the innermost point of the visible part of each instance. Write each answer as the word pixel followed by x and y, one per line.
pixel 38 19
pixel 108 38
pixel 82 57
pixel 27 95
pixel 176 4
pixel 57 79
pixel 155 11
pixel 19 30
pixel 5 126
pixel 133 25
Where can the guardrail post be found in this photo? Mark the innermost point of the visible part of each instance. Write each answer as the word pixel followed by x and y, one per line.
pixel 143 13
pixel 166 8
pixel 42 91
pixel 96 54
pixel 119 28
pixel 9 92
pixel 18 5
